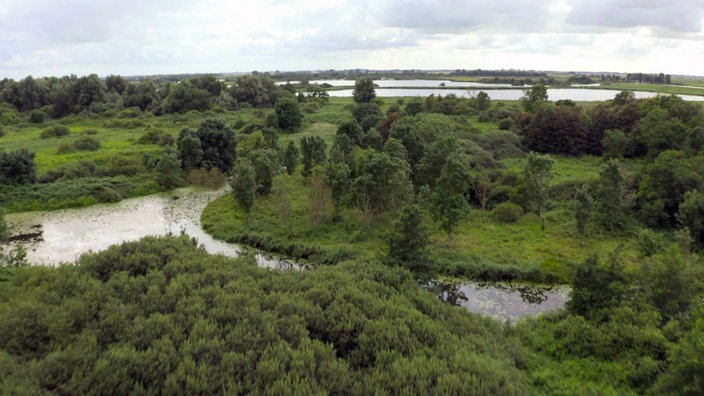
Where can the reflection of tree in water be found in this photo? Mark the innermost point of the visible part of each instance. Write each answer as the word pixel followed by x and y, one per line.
pixel 447 291
pixel 529 293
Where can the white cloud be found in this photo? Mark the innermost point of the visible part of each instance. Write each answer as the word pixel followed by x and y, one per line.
pixel 47 37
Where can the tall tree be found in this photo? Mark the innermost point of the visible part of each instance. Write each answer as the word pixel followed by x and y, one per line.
pixel 363 90
pixel 409 241
pixel 290 158
pixel 314 153
pixel 534 97
pixel 266 166
pixel 538 173
pixel 449 202
pixel 168 169
pixel 691 215
pixel 244 184
pixel 288 115
pixel 583 210
pixel 189 149
pixel 219 144
pixel 610 197
pixel 597 286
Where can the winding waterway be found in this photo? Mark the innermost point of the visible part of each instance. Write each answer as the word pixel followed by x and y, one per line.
pixel 62 236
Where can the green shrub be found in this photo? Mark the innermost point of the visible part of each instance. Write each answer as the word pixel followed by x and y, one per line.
pixel 131 112
pixel 2 131
pixel 86 143
pixel 506 124
pixel 507 212
pixel 55 131
pixel 126 165
pixel 156 136
pixel 66 147
pixel 213 178
pixel 36 117
pixel 89 132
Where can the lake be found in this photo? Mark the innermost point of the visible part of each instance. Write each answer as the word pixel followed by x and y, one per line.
pixel 575 94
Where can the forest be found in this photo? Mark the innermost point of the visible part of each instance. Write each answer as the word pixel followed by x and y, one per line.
pixel 383 198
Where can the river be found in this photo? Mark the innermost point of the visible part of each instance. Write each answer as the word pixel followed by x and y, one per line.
pixel 61 236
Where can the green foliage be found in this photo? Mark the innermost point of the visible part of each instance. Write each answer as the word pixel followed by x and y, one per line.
pixel 36 117
pixel 583 210
pixel 669 282
pixel 535 97
pixel 244 183
pixel 665 182
pixel 17 167
pixel 257 91
pixel 507 212
pixel 162 316
pixel 610 211
pixel 449 203
pixel 219 144
pixel 55 131
pixel 382 183
pixel 290 157
pixel 168 169
pixel 691 215
pixel 313 149
pixel 266 166
pixel 615 144
pixel 353 130
pixel 4 230
pixel 87 143
pixel 684 373
pixel 202 177
pixel 363 90
pixel 597 287
pixel 288 115
pixel 156 136
pixel 184 97
pixel 538 173
pixel 368 115
pixel 189 149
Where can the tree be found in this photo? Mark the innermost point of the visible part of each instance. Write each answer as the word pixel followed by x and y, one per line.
pixel 184 97
pixel 482 101
pixel 538 173
pixel 353 130
pixel 116 84
pixel 409 240
pixel 313 148
pixel 534 97
pixel 615 144
pixel 168 169
pixel 266 166
pixel 288 115
pixel 17 167
pixel 338 179
pixel 669 282
pixel 368 115
pixel 253 89
pixel 691 215
pixel 449 202
pixel 189 149
pixel 665 181
pixel 381 183
pixel 583 210
pixel 219 144
pixel 597 286
pixel 363 90
pixel 290 158
pixel 610 197
pixel 244 184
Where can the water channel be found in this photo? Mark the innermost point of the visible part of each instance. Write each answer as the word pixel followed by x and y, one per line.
pixel 62 236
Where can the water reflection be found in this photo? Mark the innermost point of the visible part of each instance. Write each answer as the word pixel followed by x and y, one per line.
pixel 63 235
pixel 502 301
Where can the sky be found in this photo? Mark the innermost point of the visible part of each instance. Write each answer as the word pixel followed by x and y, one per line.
pixel 147 37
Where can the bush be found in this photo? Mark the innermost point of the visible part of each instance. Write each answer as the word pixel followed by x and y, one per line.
pixel 2 131
pixel 156 136
pixel 86 143
pixel 132 112
pixel 89 132
pixel 66 147
pixel 125 165
pixel 55 131
pixel 506 124
pixel 36 117
pixel 507 212
pixel 213 178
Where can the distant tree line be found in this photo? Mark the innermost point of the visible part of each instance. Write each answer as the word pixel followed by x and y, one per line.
pixel 659 78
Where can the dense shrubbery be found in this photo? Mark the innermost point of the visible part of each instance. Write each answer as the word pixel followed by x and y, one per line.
pixel 55 131
pixel 161 315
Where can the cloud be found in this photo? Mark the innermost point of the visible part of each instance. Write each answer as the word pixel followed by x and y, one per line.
pixel 683 16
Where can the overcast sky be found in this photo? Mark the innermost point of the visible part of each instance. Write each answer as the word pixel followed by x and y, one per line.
pixel 133 37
